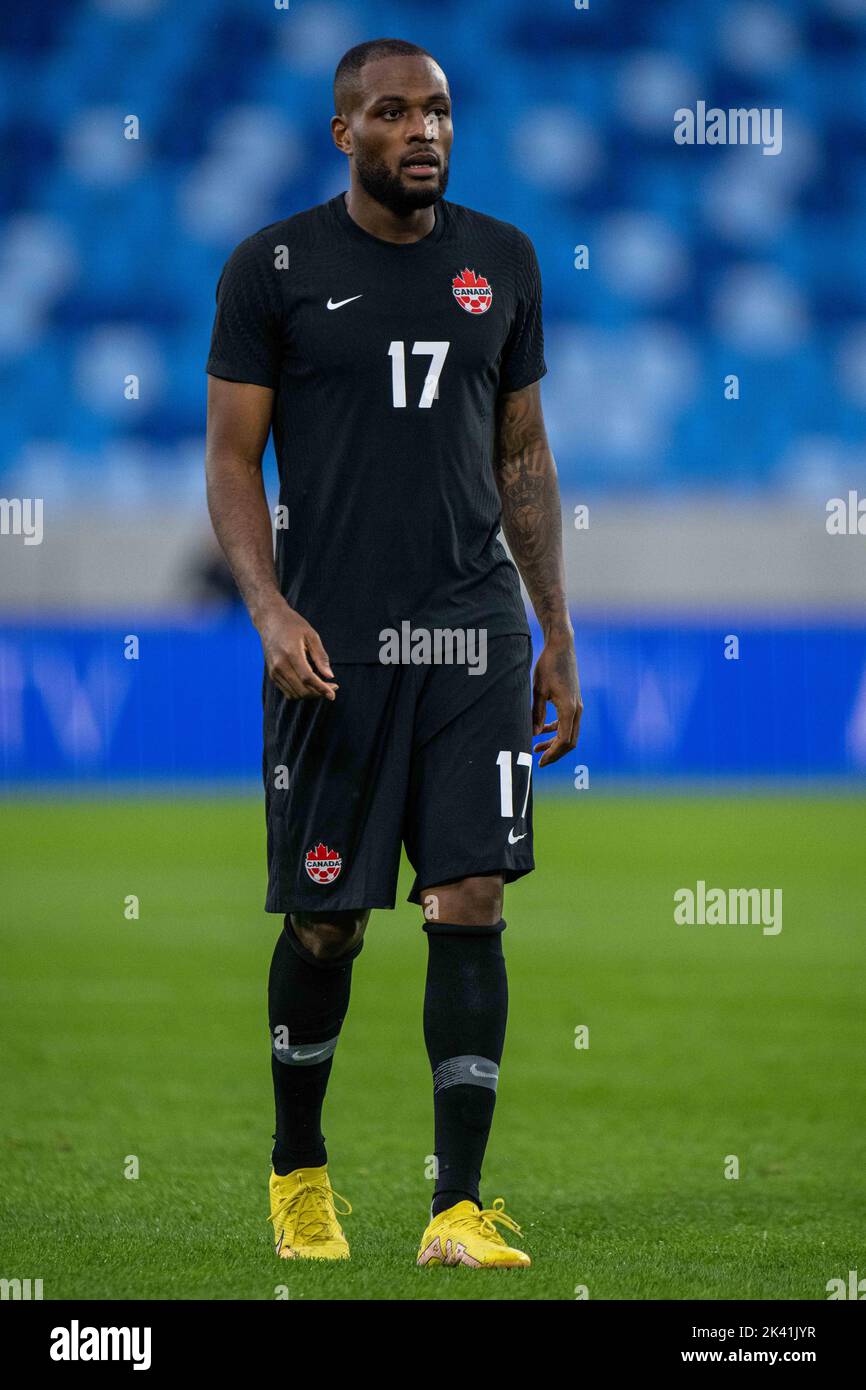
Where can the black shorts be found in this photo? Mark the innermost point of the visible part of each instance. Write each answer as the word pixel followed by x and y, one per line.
pixel 432 756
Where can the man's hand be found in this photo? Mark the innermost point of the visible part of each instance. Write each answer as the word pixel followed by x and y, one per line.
pixel 532 524
pixel 556 680
pixel 294 655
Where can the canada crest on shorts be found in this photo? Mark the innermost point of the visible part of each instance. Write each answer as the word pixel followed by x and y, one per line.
pixel 472 292
pixel 322 864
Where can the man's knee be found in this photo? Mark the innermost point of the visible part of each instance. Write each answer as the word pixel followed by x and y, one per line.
pixel 329 935
pixel 471 902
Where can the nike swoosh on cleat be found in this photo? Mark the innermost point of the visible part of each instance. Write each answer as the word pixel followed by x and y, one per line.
pixel 512 838
pixel 340 303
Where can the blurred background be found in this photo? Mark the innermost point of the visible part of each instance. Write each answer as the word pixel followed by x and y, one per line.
pixel 706 401
pixel 704 498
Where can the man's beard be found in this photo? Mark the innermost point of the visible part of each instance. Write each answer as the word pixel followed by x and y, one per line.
pixel 377 180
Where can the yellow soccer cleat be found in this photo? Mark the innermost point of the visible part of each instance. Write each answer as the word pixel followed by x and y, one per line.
pixel 466 1235
pixel 305 1216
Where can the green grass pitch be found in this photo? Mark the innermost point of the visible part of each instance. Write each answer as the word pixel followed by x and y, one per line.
pixel 149 1038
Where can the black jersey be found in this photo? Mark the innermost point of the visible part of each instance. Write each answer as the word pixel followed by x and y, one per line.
pixel 386 361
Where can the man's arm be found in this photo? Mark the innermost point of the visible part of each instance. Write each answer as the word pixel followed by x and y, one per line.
pixel 238 423
pixel 532 522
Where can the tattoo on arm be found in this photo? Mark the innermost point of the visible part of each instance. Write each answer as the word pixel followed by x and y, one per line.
pixel 531 515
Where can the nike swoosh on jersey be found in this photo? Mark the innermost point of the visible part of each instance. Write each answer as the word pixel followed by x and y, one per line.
pixel 512 838
pixel 476 1071
pixel 304 1056
pixel 341 302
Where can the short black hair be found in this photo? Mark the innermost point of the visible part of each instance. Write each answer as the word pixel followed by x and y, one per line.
pixel 346 83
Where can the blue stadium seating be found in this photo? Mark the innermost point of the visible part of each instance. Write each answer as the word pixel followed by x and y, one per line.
pixel 704 261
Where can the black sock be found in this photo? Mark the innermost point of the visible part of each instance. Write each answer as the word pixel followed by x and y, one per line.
pixel 307 1002
pixel 465 1009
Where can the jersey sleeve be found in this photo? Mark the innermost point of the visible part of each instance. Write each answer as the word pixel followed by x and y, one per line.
pixel 523 355
pixel 246 343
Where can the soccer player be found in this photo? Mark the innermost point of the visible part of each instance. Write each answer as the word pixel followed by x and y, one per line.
pixel 392 341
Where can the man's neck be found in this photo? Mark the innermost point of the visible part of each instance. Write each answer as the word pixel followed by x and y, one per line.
pixel 381 222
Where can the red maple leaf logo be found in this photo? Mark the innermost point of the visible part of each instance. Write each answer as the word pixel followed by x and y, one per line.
pixel 322 852
pixel 473 292
pixel 323 865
